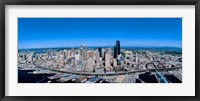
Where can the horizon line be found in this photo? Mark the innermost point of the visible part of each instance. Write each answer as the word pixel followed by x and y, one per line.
pixel 101 46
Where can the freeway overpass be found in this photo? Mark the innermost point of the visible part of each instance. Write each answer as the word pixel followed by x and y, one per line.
pixel 111 74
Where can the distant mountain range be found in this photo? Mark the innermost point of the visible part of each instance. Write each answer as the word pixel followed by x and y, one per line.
pixel 165 47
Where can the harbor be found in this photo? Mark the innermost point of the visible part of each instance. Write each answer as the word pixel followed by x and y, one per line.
pixel 46 76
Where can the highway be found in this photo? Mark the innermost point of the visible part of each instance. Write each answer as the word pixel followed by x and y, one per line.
pixel 111 74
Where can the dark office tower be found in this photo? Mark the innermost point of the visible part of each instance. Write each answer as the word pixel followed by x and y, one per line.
pixel 104 55
pixel 100 52
pixel 115 51
pixel 118 47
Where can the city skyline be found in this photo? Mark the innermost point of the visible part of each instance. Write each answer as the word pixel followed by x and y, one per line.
pixel 99 32
pixel 101 65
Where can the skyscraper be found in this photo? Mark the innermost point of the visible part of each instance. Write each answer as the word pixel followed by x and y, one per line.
pixel 83 52
pixel 65 53
pixel 81 49
pixel 136 58
pixel 72 52
pixel 100 51
pixel 117 49
pixel 107 58
pixel 97 57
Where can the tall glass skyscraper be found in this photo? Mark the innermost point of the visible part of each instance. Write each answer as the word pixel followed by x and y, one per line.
pixel 100 51
pixel 117 49
pixel 83 52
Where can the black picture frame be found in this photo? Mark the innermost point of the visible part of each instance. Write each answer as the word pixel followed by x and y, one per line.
pixel 3 3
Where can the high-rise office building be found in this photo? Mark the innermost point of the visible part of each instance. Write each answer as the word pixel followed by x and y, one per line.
pixel 100 52
pixel 136 58
pixel 107 58
pixel 65 53
pixel 81 49
pixel 117 49
pixel 24 56
pixel 72 52
pixel 84 52
pixel 97 57
pixel 69 54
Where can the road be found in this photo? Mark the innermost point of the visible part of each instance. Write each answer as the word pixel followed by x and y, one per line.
pixel 111 74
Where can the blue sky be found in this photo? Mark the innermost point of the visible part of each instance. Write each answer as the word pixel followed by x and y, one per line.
pixel 71 32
